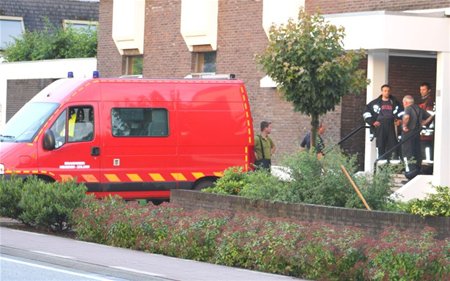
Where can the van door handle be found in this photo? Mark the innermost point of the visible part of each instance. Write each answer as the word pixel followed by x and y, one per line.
pixel 95 151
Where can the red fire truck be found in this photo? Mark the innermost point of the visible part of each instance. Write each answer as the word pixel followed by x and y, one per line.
pixel 137 138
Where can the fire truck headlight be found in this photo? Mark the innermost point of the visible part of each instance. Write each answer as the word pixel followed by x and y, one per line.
pixel 2 169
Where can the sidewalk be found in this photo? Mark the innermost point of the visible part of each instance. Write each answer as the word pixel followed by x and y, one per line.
pixel 133 265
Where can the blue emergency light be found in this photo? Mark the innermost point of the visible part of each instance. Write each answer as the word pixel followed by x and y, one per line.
pixel 95 74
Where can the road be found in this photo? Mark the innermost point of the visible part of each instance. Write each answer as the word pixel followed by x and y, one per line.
pixel 35 251
pixel 16 269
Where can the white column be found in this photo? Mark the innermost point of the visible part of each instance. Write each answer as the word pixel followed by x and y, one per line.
pixel 377 72
pixel 441 170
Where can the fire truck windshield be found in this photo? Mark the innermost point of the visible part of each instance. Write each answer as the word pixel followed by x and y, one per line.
pixel 25 124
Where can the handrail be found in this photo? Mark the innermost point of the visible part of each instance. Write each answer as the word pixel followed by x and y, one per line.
pixel 403 140
pixel 347 137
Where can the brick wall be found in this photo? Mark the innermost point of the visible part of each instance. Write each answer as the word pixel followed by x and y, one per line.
pixel 165 52
pixel 109 60
pixel 34 11
pixel 345 6
pixel 374 221
pixel 21 91
pixel 406 74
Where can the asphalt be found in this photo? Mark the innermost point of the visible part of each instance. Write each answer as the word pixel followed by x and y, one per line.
pixel 119 262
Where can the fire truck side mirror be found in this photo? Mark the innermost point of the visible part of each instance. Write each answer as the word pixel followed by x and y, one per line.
pixel 49 140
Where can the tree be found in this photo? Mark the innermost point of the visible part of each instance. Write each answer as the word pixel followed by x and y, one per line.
pixel 307 60
pixel 53 43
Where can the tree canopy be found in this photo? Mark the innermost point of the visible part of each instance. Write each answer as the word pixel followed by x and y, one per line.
pixel 53 43
pixel 307 59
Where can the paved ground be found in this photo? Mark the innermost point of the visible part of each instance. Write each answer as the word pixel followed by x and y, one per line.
pixel 124 263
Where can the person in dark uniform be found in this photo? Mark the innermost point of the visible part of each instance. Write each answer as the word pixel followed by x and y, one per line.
pixel 427 102
pixel 384 114
pixel 413 120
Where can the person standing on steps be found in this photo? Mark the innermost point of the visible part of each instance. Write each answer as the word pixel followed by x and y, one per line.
pixel 384 114
pixel 413 120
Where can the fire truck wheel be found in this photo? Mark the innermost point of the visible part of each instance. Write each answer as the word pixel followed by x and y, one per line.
pixel 204 184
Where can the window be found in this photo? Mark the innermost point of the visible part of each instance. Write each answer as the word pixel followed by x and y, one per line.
pixel 10 27
pixel 133 65
pixel 143 122
pixel 27 122
pixel 80 122
pixel 59 130
pixel 80 24
pixel 204 62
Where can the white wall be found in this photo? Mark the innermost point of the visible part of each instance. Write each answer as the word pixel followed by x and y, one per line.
pixel 45 69
pixel 394 31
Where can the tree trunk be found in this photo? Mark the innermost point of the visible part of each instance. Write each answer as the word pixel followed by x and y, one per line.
pixel 314 127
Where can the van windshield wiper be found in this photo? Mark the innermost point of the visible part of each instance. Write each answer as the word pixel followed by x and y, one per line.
pixel 6 137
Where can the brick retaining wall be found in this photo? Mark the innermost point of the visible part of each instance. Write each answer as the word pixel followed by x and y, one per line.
pixel 374 221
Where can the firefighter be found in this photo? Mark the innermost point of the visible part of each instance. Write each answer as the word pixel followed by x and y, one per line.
pixel 384 114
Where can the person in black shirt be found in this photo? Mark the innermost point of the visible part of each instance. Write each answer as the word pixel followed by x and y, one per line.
pixel 413 120
pixel 384 114
pixel 320 145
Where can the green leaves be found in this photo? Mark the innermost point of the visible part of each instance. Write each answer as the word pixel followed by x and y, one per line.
pixel 50 205
pixel 53 43
pixel 434 205
pixel 308 61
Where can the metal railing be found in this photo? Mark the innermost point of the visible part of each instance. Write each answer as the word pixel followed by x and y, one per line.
pixel 351 134
pixel 402 141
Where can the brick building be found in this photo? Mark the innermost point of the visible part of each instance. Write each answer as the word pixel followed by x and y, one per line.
pixel 172 38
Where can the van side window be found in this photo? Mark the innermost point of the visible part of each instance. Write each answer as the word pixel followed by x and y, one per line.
pixel 140 122
pixel 81 123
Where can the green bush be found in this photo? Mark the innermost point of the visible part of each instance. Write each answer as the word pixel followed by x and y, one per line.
pixel 92 217
pixel 262 185
pixel 375 190
pixel 53 43
pixel 284 246
pixel 437 204
pixel 10 194
pixel 50 205
pixel 314 181
pixel 319 181
pixel 407 256
pixel 232 182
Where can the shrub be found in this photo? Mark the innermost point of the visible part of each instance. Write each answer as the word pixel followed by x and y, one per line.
pixel 50 205
pixel 283 246
pixel 92 217
pixel 193 235
pixel 262 185
pixel 232 182
pixel 375 190
pixel 319 181
pixel 407 256
pixel 10 194
pixel 314 181
pixel 53 43
pixel 437 204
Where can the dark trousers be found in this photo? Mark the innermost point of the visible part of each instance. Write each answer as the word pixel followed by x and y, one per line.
pixel 412 155
pixel 263 164
pixel 427 145
pixel 386 137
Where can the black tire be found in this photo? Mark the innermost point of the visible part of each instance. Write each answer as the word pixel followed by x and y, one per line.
pixel 204 184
